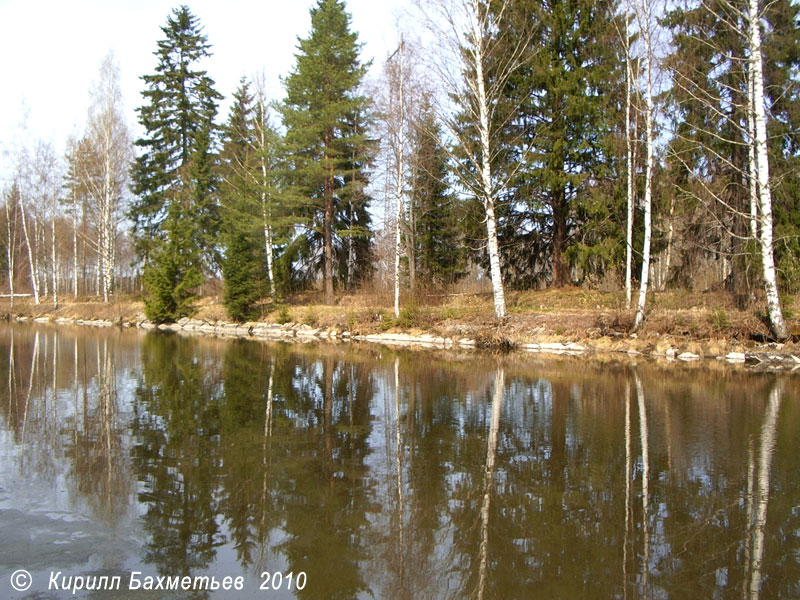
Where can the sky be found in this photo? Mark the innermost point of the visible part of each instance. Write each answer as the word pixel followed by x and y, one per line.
pixel 51 51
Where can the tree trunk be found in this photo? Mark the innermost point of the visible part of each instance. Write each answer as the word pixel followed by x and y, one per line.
pixel 54 253
pixel 327 234
pixel 560 268
pixel 485 167
pixel 74 246
pixel 31 261
pixel 644 18
pixel 630 192
pixel 777 325
pixel 11 246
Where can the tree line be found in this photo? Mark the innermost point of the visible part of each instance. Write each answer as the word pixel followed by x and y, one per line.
pixel 545 143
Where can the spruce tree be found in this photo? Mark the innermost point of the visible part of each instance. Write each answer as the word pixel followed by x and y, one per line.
pixel 568 91
pixel 175 271
pixel 244 262
pixel 173 176
pixel 439 249
pixel 326 119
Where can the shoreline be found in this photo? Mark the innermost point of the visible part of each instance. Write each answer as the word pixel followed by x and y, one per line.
pixel 768 356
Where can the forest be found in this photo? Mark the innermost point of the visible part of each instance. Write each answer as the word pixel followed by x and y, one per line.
pixel 616 145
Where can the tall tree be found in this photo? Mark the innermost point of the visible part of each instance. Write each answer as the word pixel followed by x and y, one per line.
pixel 173 176
pixel 102 168
pixel 437 244
pixel 645 17
pixel 569 92
pixel 244 262
pixel 481 55
pixel 716 151
pixel 325 118
pixel 760 151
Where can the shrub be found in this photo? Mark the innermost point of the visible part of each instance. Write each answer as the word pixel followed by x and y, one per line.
pixel 283 316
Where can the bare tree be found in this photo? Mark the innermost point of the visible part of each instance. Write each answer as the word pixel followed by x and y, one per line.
pixel 11 205
pixel 477 63
pixel 266 138
pixel 398 134
pixel 740 105
pixel 632 76
pixel 105 175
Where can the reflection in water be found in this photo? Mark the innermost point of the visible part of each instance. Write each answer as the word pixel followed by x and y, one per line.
pixel 401 474
pixel 643 592
pixel 757 523
pixel 488 481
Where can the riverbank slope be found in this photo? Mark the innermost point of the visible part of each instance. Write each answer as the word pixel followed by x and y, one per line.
pixel 679 324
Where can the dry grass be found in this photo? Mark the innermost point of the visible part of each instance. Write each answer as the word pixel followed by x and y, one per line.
pixel 546 315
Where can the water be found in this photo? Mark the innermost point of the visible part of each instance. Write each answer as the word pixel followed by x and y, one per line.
pixel 377 473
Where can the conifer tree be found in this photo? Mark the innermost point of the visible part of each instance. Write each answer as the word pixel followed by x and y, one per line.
pixel 568 91
pixel 243 265
pixel 173 177
pixel 326 119
pixel 439 251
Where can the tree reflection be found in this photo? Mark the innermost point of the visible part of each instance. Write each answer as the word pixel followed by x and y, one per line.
pixel 177 456
pixel 323 473
pixel 100 469
pixel 417 474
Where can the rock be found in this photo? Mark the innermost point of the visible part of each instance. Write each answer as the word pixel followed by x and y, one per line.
pixel 688 356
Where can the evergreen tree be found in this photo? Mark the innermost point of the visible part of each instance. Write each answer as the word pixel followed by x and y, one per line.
pixel 568 91
pixel 173 177
pixel 439 251
pixel 175 270
pixel 244 263
pixel 325 118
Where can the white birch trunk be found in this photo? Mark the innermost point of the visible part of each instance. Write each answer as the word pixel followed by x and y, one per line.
pixel 629 142
pixel 11 245
pixel 751 156
pixel 53 250
pixel 644 18
pixel 266 213
pixel 31 261
pixel 485 167
pixel 778 327
pixel 398 143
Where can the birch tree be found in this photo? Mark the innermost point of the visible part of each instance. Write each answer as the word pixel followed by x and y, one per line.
pixel 11 206
pixel 631 143
pixel 475 66
pixel 726 160
pixel 398 134
pixel 777 325
pixel 268 159
pixel 644 17
pixel 110 140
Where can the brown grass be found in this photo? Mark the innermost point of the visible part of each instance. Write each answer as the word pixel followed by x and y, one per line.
pixel 546 315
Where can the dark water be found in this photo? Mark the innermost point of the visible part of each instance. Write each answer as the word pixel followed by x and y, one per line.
pixel 383 474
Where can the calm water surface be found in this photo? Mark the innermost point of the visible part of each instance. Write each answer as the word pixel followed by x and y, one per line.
pixel 383 474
